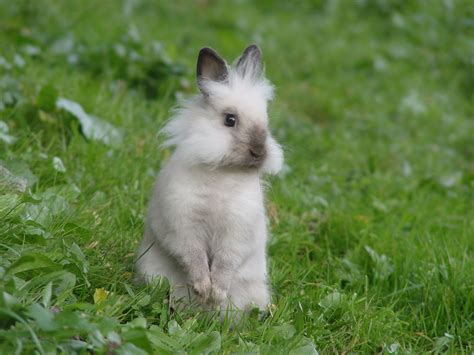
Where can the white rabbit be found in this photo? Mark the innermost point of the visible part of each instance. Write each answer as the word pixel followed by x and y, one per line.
pixel 206 229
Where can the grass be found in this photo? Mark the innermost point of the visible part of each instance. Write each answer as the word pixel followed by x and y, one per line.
pixel 372 219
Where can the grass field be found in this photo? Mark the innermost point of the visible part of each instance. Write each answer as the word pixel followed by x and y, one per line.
pixel 372 219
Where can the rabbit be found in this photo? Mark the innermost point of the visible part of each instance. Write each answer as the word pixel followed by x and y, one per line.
pixel 206 229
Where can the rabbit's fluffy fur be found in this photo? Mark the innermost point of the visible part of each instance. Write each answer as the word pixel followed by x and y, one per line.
pixel 206 229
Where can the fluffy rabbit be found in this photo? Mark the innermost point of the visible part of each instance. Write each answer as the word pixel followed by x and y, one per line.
pixel 206 229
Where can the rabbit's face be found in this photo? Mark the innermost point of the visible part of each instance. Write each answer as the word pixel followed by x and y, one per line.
pixel 228 125
pixel 237 98
pixel 239 114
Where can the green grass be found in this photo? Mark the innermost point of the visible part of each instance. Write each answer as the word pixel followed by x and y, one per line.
pixel 372 219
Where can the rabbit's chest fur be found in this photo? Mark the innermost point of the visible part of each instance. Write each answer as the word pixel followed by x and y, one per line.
pixel 213 202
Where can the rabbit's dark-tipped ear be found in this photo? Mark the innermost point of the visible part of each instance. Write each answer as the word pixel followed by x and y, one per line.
pixel 250 62
pixel 210 66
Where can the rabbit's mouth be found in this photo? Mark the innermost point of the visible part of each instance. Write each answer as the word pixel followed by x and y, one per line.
pixel 256 156
pixel 249 153
pixel 254 161
pixel 250 162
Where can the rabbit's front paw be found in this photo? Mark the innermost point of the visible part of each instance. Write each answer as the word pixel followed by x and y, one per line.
pixel 218 294
pixel 202 287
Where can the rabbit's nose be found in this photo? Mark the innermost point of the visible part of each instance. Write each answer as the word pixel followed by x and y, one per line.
pixel 257 138
pixel 257 152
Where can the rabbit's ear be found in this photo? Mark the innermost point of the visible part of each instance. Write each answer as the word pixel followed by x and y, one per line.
pixel 210 66
pixel 250 62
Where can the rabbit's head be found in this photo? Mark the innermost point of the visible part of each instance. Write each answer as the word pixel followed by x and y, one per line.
pixel 227 125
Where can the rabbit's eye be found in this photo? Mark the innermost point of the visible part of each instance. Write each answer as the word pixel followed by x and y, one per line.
pixel 230 120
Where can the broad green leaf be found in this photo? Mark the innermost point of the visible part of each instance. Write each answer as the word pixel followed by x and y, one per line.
pixel 333 300
pixel 77 322
pixel 58 165
pixel 130 349
pixel 5 137
pixel 19 61
pixel 451 180
pixel 31 50
pixel 55 203
pixel 114 337
pixel 43 317
pixel 299 319
pixel 304 347
pixel 8 300
pixel 35 233
pixel 30 262
pixel 69 191
pixel 62 281
pixel 412 103
pixel 74 346
pixel 138 337
pixel 20 169
pixel 382 266
pixel 392 348
pixel 78 257
pixel 442 343
pixel 163 342
pixel 37 213
pixel 47 292
pixel 7 203
pixel 96 338
pixel 42 213
pixel 10 181
pixel 247 347
pixel 92 127
pixel 47 97
pixel 205 343
pixel 285 331
pixel 139 322
pixel 173 327
pixel 144 301
pixel 4 63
